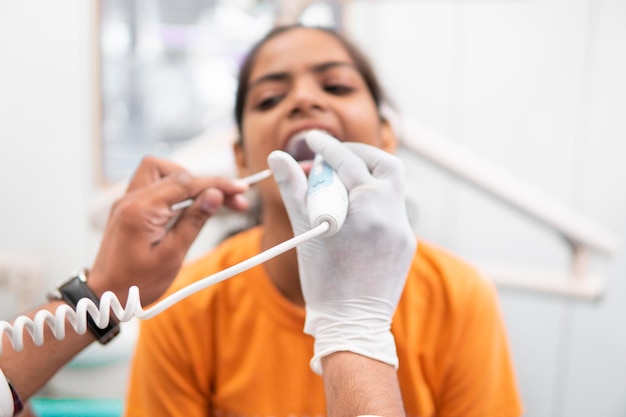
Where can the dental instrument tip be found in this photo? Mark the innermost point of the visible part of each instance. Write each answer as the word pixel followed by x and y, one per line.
pixel 182 204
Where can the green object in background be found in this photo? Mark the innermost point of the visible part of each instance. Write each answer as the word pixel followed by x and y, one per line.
pixel 75 407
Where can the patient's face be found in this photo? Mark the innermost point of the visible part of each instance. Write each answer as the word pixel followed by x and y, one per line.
pixel 304 79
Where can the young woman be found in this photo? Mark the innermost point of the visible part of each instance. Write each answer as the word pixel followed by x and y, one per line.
pixel 238 348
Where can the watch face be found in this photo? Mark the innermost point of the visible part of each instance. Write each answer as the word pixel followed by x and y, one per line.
pixel 82 275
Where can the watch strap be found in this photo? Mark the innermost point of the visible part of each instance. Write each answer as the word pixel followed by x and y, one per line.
pixel 75 289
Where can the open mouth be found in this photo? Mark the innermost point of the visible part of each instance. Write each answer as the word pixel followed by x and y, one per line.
pixel 297 147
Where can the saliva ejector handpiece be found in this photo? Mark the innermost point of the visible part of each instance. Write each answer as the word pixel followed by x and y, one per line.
pixel 327 197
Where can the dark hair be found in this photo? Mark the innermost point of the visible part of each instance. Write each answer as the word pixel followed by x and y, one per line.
pixel 363 65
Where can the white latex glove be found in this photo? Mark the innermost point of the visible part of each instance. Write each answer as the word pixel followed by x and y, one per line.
pixel 351 281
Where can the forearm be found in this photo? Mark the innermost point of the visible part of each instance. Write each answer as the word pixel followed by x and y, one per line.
pixel 356 385
pixel 29 369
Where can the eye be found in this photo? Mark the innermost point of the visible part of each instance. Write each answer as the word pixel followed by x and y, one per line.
pixel 268 102
pixel 338 89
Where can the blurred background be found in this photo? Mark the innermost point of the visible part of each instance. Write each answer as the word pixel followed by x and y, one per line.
pixel 534 90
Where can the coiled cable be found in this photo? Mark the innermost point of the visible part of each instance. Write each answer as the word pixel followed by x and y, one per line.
pixel 109 302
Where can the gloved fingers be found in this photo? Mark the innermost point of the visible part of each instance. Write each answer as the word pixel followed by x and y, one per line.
pixel 351 169
pixel 292 183
pixel 381 164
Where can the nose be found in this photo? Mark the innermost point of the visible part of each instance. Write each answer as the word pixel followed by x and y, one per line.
pixel 307 99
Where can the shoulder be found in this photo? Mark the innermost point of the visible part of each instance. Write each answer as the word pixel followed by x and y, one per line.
pixel 445 281
pixel 435 263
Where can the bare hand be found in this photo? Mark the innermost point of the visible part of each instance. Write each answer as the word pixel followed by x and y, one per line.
pixel 139 247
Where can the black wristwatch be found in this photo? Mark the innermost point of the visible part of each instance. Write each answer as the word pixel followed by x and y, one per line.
pixel 72 291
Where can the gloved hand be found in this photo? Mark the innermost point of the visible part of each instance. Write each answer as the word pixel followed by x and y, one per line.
pixel 351 281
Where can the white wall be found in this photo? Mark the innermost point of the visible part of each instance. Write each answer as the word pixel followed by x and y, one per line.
pixel 536 87
pixel 49 161
pixel 47 113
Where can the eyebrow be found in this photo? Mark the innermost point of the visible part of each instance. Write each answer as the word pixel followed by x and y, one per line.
pixel 284 76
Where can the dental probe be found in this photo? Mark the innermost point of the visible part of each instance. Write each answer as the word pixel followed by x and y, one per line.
pixel 252 179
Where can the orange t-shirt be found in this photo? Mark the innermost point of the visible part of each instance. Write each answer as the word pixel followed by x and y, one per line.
pixel 237 348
